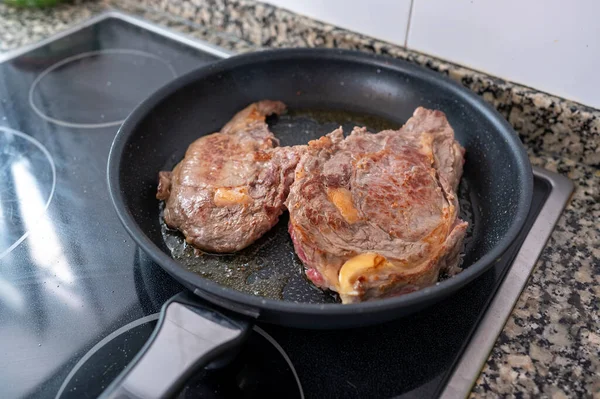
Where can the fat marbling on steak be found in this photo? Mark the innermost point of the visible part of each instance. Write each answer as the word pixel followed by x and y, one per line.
pixel 230 187
pixel 376 215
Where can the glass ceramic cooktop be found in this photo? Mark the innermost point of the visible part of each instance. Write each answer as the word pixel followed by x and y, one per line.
pixel 77 297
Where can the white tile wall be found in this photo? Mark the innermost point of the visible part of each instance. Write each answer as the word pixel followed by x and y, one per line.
pixel 382 19
pixel 550 45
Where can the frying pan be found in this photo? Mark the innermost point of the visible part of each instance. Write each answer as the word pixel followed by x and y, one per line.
pixel 205 325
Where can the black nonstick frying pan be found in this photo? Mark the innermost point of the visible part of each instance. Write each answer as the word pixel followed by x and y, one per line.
pixel 322 88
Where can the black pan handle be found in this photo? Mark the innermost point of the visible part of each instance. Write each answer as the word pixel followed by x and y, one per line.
pixel 188 335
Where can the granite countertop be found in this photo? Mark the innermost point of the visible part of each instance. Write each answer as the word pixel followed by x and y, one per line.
pixel 550 346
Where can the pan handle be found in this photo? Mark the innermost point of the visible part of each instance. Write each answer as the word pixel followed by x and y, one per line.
pixel 188 335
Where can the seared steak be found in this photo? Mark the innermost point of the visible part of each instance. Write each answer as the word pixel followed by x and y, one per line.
pixel 230 187
pixel 376 215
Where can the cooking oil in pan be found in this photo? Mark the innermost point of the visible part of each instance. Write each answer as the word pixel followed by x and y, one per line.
pixel 264 268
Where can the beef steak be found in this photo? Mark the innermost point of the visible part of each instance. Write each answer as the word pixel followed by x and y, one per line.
pixel 376 215
pixel 230 187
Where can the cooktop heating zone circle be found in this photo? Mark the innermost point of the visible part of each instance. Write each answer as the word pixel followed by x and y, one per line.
pixel 97 89
pixel 261 369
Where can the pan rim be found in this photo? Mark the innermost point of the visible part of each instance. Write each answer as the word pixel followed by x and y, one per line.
pixel 440 289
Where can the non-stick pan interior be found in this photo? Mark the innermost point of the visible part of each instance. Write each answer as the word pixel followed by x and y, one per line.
pixel 158 133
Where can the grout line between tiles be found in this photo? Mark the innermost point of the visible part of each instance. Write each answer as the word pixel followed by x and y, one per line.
pixel 410 11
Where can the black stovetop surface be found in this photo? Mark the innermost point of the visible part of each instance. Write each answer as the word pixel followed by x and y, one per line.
pixel 70 275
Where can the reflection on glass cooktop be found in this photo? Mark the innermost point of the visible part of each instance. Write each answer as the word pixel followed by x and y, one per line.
pixel 67 274
pixel 70 276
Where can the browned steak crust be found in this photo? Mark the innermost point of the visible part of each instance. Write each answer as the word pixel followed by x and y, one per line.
pixel 230 187
pixel 376 215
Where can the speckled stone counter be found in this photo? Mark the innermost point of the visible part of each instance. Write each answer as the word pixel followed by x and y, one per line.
pixel 550 346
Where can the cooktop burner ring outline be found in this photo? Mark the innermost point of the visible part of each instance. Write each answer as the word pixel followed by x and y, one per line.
pixel 153 317
pixel 273 342
pixel 77 57
pixel 42 148
pixel 100 345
